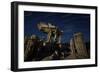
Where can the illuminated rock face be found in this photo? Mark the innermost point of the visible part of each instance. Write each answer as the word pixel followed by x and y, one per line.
pixel 29 46
pixel 53 33
pixel 72 48
pixel 78 47
pixel 46 27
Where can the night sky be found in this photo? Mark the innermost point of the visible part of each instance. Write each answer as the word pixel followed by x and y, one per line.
pixel 70 23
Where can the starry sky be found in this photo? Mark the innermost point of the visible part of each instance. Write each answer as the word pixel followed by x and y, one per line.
pixel 69 23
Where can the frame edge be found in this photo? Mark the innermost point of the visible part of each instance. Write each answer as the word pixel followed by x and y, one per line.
pixel 14 33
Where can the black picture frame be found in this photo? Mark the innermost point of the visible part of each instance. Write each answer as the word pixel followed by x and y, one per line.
pixel 14 35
